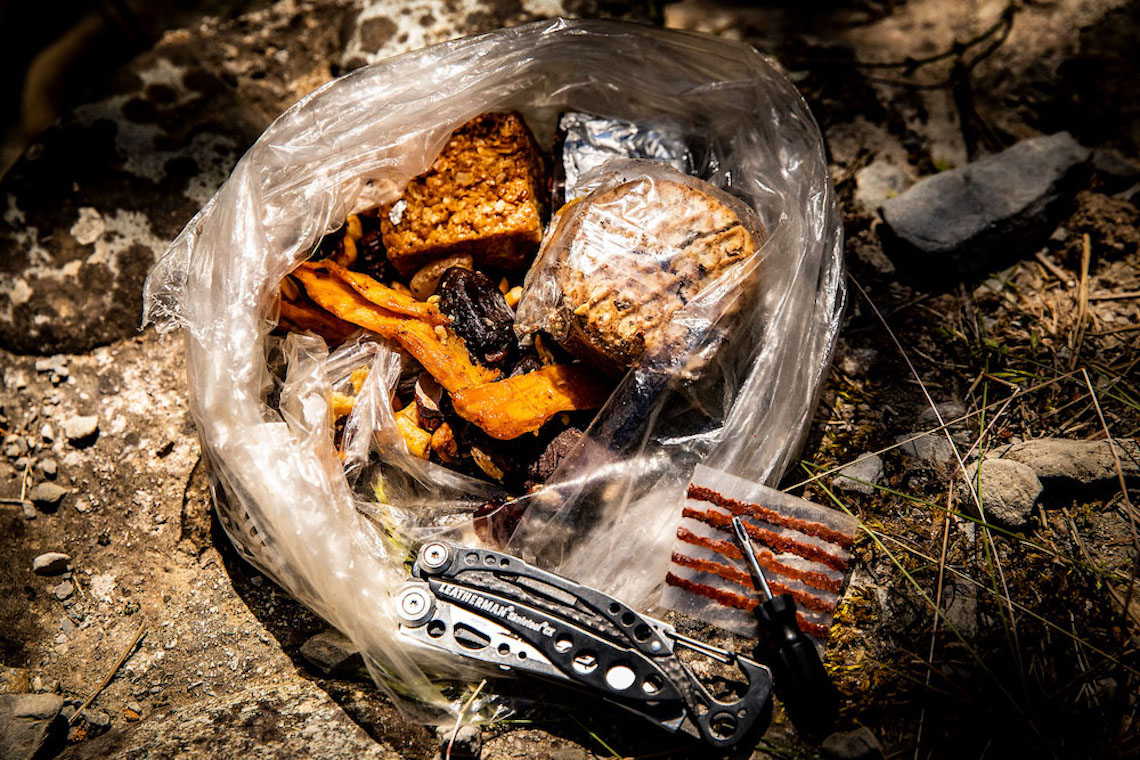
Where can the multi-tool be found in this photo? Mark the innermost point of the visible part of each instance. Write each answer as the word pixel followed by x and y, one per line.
pixel 497 609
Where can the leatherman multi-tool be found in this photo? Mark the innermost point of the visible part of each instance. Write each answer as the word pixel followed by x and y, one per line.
pixel 495 608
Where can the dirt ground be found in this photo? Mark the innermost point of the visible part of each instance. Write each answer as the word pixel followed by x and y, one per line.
pixel 955 638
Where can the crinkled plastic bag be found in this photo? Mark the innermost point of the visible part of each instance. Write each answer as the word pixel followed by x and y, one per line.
pixel 608 516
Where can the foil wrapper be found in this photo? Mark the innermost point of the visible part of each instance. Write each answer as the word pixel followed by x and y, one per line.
pixel 589 141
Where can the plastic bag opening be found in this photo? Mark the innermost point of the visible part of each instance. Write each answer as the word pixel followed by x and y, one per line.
pixel 608 515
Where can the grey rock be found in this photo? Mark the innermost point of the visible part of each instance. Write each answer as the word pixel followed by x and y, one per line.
pixel 81 428
pixel 971 220
pixel 929 449
pixel 97 720
pixel 47 496
pixel 860 744
pixel 30 725
pixel 1114 170
pixel 47 432
pixel 63 590
pixel 467 744
pixel 1007 489
pixel 877 182
pixel 50 563
pixel 1063 463
pixel 947 410
pixel 29 510
pixel 49 468
pixel 331 652
pixel 861 475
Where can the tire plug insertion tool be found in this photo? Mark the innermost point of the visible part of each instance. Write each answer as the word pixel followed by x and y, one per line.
pixel 801 683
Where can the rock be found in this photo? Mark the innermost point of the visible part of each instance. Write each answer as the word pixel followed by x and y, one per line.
pixel 49 468
pixel 81 430
pixel 30 725
pixel 1007 489
pixel 929 449
pixel 861 475
pixel 97 721
pixel 877 182
pixel 98 195
pixel 29 510
pixel 331 652
pixel 947 410
pixel 63 590
pixel 860 744
pixel 16 680
pixel 973 219
pixel 263 721
pixel 47 433
pixel 1066 464
pixel 1114 170
pixel 47 496
pixel 468 742
pixel 51 563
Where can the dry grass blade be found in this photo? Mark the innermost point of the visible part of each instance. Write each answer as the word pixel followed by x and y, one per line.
pixel 937 428
pixel 1021 607
pixel 110 674
pixel 1082 301
pixel 459 718
pixel 1126 602
pixel 991 547
pixel 973 652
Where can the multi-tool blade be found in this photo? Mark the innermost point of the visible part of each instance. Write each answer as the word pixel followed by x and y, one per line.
pixel 497 609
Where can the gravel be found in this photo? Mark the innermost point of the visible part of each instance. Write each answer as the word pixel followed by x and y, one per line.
pixel 331 652
pixel 860 744
pixel 1007 489
pixel 81 429
pixel 50 563
pixel 861 475
pixel 930 449
pixel 47 496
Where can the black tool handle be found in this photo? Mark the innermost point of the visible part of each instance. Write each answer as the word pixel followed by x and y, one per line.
pixel 802 684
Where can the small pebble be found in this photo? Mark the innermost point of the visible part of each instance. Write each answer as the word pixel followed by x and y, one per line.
pixel 49 468
pixel 63 590
pixel 97 718
pixel 47 432
pixel 50 563
pixel 81 429
pixel 29 510
pixel 48 495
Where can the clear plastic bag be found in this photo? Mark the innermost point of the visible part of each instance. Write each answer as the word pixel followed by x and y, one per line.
pixel 608 516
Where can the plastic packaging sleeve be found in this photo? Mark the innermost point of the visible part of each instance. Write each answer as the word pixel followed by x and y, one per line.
pixel 609 515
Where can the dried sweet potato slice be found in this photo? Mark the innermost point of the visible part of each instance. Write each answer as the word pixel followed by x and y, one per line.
pixel 443 356
pixel 522 404
pixel 380 294
pixel 305 316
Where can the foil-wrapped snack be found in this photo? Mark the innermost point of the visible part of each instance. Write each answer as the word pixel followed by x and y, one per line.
pixel 588 141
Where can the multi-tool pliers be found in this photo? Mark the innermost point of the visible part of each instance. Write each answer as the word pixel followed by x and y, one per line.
pixel 497 609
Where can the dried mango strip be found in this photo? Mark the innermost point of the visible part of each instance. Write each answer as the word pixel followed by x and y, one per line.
pixel 523 404
pixel 305 316
pixel 445 358
pixel 380 294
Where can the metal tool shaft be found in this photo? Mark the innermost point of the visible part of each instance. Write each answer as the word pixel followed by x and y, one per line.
pixel 754 570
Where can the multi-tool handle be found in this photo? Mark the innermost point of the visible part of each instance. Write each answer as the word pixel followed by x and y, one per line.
pixel 493 607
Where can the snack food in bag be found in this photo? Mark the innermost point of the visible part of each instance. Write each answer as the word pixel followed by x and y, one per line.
pixel 326 487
